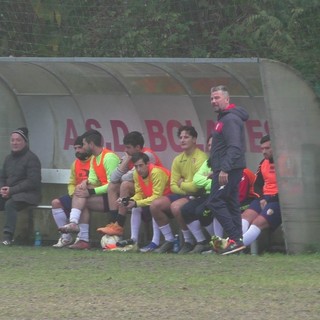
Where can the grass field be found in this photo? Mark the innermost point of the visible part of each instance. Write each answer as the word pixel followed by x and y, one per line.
pixel 47 283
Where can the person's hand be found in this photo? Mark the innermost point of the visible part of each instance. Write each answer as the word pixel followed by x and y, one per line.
pixel 263 203
pixel 131 204
pixel 223 178
pixel 126 159
pixel 81 193
pixel 83 185
pixel 180 182
pixel 5 192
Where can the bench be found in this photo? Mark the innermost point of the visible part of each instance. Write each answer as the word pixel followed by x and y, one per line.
pixel 53 176
pixel 54 184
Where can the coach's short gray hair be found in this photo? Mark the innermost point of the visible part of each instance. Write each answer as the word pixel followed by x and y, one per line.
pixel 224 89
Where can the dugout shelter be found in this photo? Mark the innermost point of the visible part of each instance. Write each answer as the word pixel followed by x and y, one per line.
pixel 60 98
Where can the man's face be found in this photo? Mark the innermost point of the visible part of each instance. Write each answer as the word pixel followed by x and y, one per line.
pixel 142 168
pixel 78 148
pixel 130 149
pixel 266 150
pixel 17 143
pixel 219 101
pixel 186 140
pixel 80 152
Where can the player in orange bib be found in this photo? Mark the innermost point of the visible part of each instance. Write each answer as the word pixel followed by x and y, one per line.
pixel 91 194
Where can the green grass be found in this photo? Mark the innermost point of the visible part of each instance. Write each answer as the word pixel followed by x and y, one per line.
pixel 47 283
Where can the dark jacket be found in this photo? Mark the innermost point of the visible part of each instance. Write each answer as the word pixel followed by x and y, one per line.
pixel 228 140
pixel 22 173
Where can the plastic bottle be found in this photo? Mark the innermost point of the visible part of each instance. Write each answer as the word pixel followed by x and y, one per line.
pixel 37 239
pixel 176 244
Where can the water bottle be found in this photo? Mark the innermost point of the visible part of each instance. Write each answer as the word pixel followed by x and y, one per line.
pixel 37 239
pixel 176 244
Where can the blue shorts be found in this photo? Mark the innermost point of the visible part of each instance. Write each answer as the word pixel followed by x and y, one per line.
pixel 173 197
pixel 271 212
pixel 66 202
pixel 195 209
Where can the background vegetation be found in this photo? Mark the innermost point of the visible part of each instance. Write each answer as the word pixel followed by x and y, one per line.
pixel 287 31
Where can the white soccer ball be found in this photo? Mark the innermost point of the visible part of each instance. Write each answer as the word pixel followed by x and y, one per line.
pixel 109 242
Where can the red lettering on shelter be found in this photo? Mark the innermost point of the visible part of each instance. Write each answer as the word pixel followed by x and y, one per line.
pixel 157 140
pixel 163 136
pixel 92 124
pixel 71 134
pixel 255 132
pixel 172 129
pixel 117 125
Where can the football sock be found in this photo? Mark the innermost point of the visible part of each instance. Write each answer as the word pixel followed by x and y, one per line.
pixel 59 217
pixel 84 232
pixel 167 233
pixel 209 229
pixel 75 215
pixel 156 233
pixel 187 236
pixel 251 235
pixel 135 223
pixel 245 226
pixel 195 228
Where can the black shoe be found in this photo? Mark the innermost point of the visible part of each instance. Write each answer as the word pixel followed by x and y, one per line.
pixel 166 247
pixel 201 247
pixel 124 243
pixel 232 247
pixel 187 247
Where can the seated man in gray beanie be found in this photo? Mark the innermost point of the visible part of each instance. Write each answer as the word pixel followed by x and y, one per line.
pixel 20 181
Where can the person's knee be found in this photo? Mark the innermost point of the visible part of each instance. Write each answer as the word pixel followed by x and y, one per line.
pixel 126 188
pixel 10 205
pixel 154 206
pixel 175 209
pixel 261 222
pixel 55 203
pixel 249 215
pixel 113 187
pixel 157 206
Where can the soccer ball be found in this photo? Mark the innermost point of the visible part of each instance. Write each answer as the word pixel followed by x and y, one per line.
pixel 109 242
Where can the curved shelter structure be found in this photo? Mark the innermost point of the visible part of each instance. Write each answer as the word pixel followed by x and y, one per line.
pixel 58 99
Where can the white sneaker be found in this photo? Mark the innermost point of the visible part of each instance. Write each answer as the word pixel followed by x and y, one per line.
pixel 62 243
